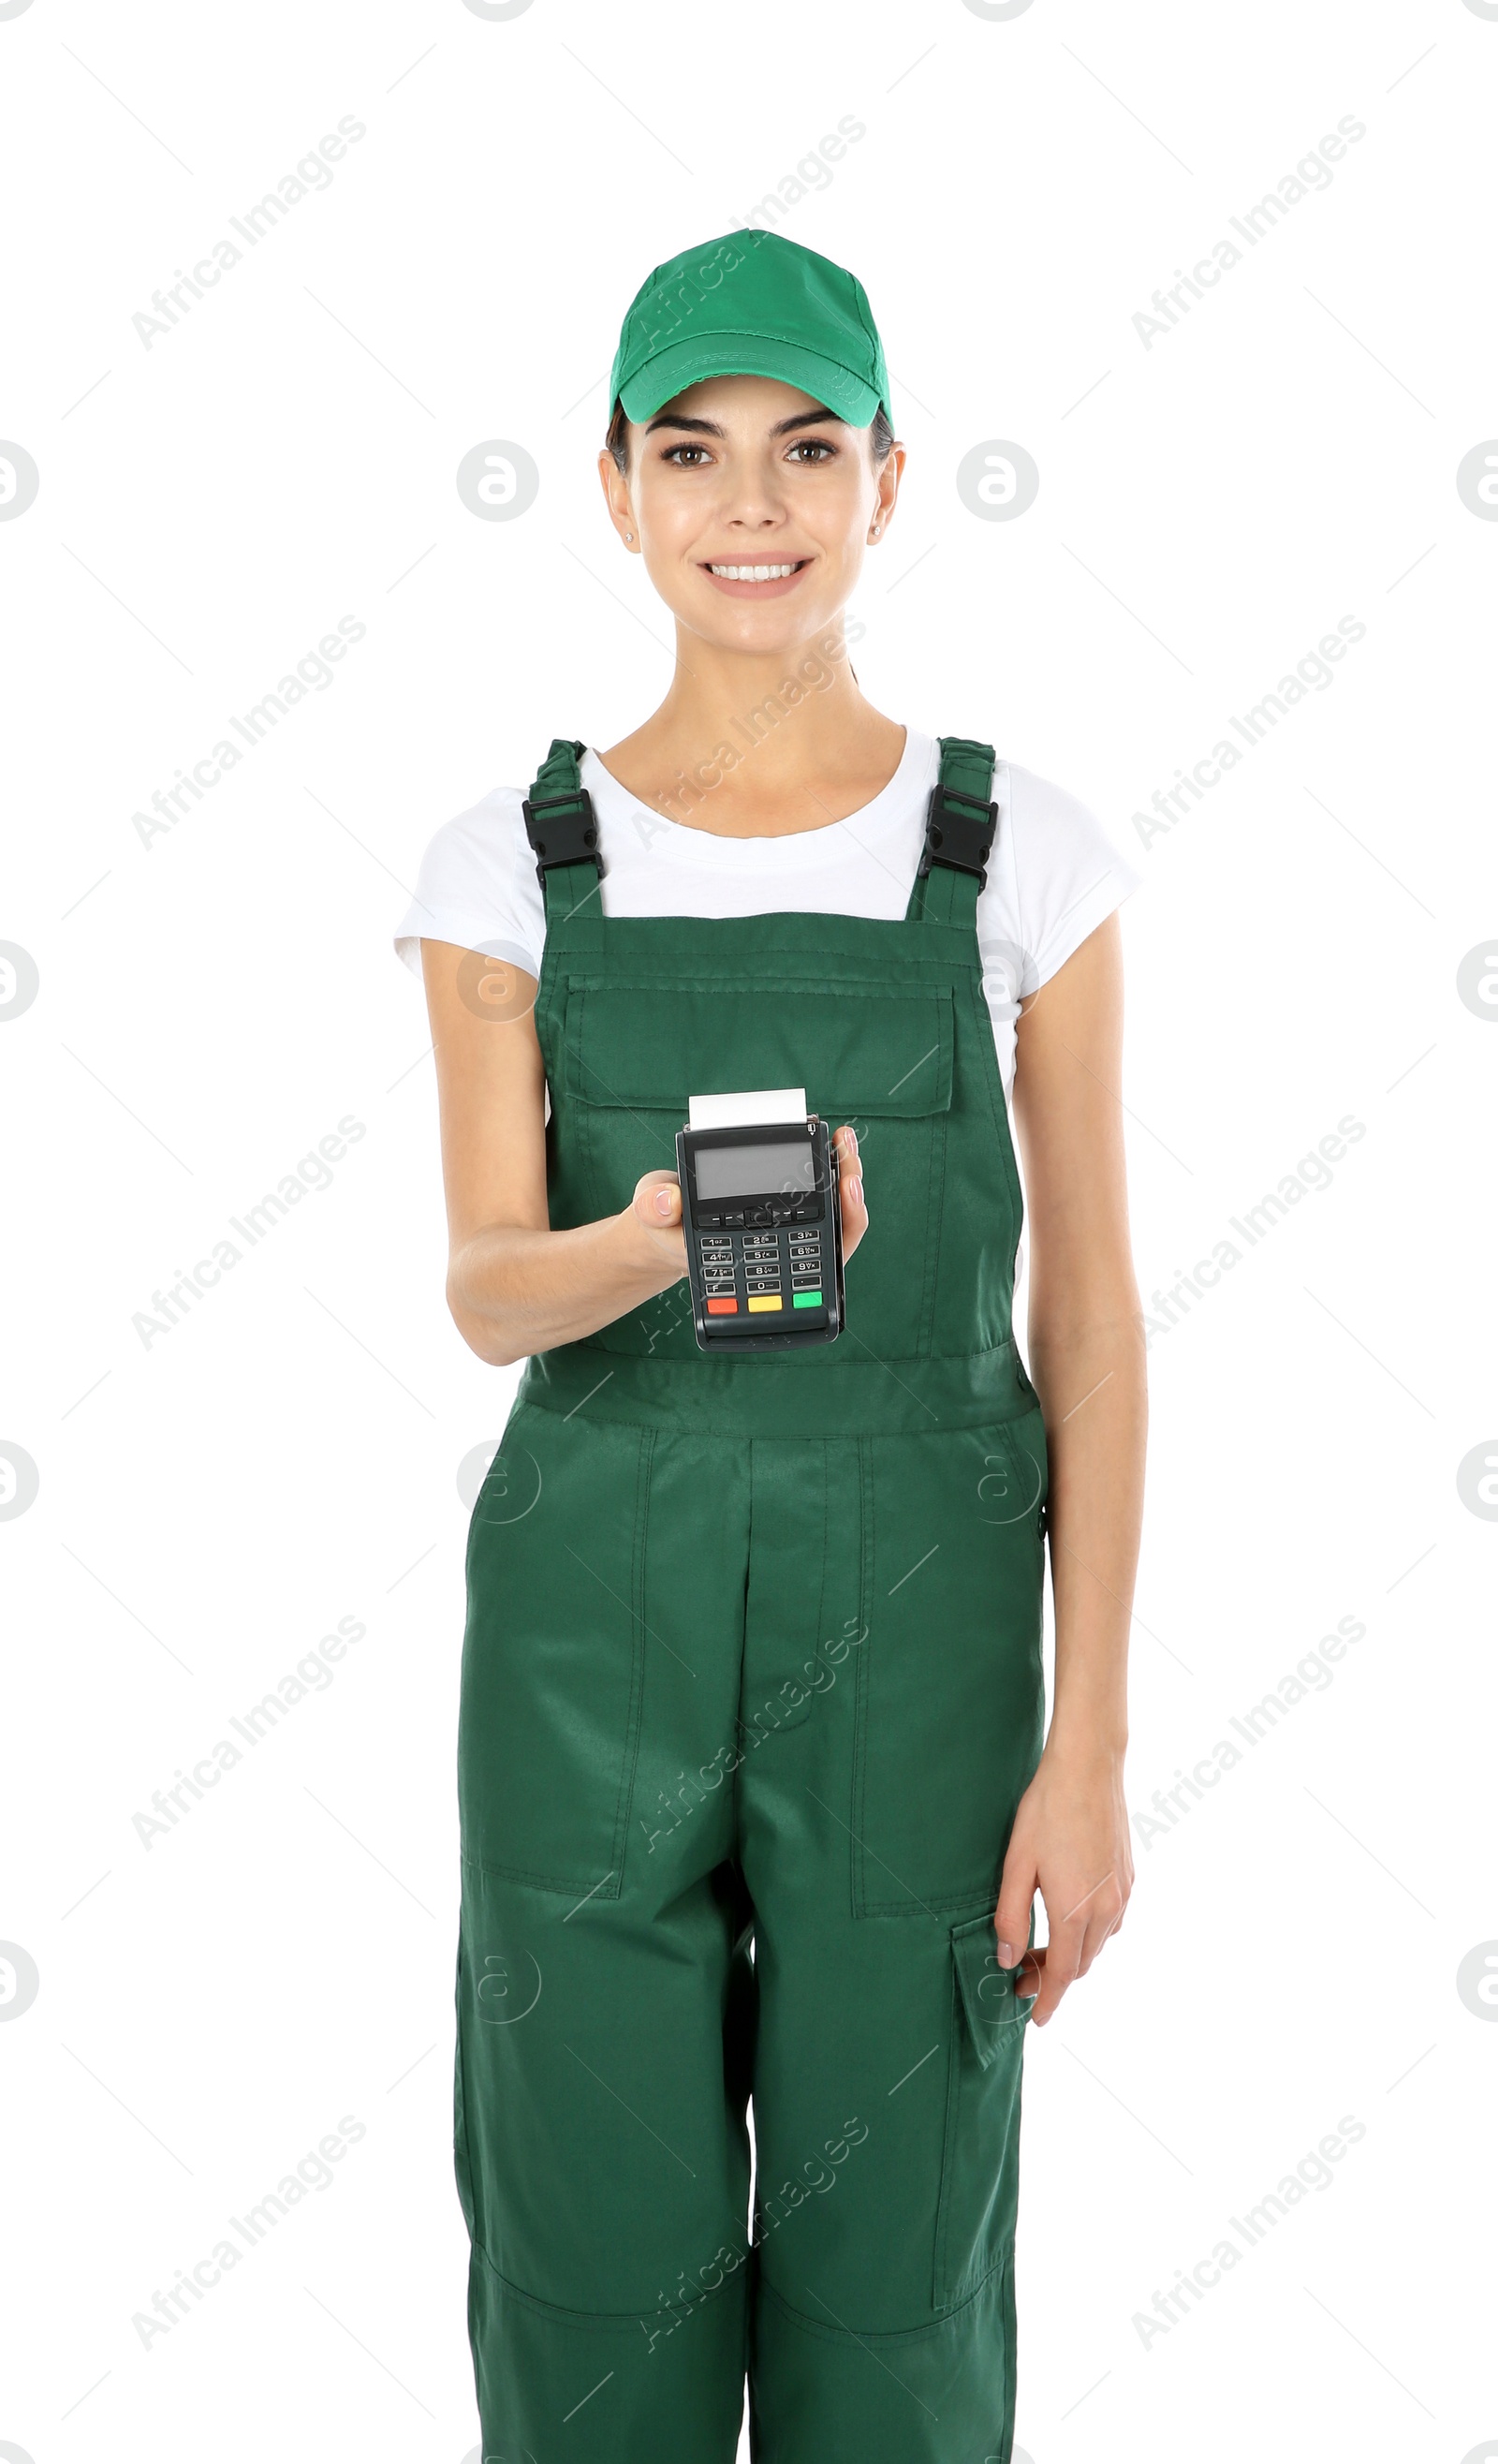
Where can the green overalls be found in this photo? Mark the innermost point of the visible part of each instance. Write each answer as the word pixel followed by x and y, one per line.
pixel 752 1687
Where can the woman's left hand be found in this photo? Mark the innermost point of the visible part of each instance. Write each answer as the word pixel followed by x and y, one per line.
pixel 1071 1842
pixel 850 1189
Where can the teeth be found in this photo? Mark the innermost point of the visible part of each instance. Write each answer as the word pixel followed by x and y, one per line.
pixel 752 572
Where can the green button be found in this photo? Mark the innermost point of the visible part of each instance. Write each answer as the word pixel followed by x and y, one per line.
pixel 809 1300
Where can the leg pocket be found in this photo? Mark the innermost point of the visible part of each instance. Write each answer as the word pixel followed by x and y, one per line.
pixel 553 1653
pixel 951 1700
pixel 979 2154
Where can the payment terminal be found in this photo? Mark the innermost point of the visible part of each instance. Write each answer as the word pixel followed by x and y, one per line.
pixel 759 1213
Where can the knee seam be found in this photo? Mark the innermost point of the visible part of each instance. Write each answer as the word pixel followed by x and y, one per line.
pixel 882 2335
pixel 619 2322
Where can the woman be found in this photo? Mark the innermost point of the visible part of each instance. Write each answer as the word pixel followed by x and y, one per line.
pixel 750 1774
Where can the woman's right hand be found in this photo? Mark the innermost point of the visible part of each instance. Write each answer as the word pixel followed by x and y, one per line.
pixel 656 1207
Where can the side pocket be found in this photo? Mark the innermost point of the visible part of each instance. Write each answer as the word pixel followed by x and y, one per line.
pixel 979 2153
pixel 1017 1488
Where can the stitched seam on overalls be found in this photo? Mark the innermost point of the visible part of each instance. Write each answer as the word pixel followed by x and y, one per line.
pixel 462 2153
pixel 581 1110
pixel 957 2023
pixel 860 1722
pixel 879 2335
pixel 820 1635
pixel 636 1673
pixel 1010 2325
pixel 911 1907
pixel 547 1023
pixel 993 1087
pixel 989 1050
pixel 936 1197
pixel 617 2322
pixel 863 1368
pixel 567 1889
pixel 668 976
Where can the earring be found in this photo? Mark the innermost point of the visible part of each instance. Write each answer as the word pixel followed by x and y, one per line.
pixel 629 534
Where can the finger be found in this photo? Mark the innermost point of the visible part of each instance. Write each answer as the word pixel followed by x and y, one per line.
pixel 1073 1952
pixel 1060 1970
pixel 1016 1899
pixel 1100 1931
pixel 1100 1914
pixel 1093 1939
pixel 851 1203
pixel 1091 1915
pixel 854 1214
pixel 658 1199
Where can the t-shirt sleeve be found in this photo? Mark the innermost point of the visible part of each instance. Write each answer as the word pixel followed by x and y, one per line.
pixel 477 887
pixel 1066 875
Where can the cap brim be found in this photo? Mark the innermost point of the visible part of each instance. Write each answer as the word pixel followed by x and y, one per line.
pixel 747 355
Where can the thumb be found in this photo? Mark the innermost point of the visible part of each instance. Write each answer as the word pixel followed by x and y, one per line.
pixel 658 1199
pixel 1016 1899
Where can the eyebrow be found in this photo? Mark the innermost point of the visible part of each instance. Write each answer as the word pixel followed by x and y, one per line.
pixel 711 427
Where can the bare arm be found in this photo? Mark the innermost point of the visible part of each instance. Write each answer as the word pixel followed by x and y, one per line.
pixel 1070 1836
pixel 515 1285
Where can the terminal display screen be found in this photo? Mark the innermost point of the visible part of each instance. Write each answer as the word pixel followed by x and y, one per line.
pixel 783 1166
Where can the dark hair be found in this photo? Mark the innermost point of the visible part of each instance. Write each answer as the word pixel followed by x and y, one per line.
pixel 882 436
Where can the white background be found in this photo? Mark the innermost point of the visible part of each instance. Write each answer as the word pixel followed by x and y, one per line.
pixel 212 1006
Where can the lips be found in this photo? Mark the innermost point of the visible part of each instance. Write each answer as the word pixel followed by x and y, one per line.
pixel 764 577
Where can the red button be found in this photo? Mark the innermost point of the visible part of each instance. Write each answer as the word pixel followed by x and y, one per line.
pixel 723 1309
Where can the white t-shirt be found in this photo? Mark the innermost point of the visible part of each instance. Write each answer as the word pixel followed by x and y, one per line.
pixel 1052 876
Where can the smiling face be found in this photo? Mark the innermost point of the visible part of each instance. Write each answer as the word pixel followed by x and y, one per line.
pixel 752 505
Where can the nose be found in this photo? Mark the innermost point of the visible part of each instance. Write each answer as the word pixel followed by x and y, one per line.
pixel 752 500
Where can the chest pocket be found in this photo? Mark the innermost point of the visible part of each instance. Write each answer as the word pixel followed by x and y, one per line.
pixel 634 1053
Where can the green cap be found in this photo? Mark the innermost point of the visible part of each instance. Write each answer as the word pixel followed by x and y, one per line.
pixel 751 304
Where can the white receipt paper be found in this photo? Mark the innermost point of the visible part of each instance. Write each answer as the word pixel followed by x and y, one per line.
pixel 747 1111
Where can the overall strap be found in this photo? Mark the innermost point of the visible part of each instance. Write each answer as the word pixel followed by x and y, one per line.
pixel 563 833
pixel 959 835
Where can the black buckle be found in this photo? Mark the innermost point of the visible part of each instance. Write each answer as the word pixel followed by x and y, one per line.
pixel 957 837
pixel 567 834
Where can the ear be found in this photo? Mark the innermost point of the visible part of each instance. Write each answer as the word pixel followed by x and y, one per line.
pixel 616 495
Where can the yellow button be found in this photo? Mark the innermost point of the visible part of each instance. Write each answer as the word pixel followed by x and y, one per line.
pixel 764 1300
